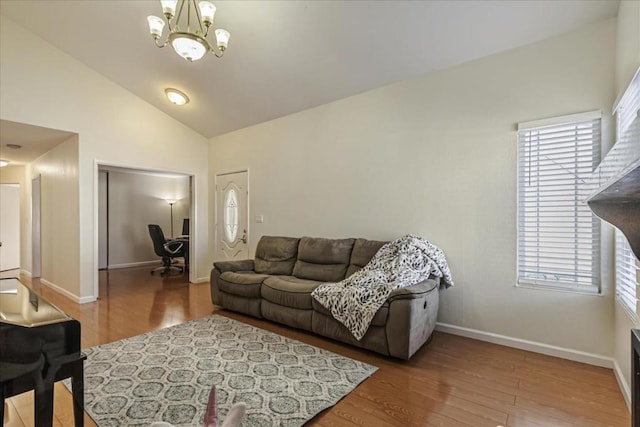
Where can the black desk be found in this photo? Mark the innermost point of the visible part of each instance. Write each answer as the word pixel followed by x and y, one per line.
pixel 39 345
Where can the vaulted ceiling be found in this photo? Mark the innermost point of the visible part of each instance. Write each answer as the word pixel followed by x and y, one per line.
pixel 287 56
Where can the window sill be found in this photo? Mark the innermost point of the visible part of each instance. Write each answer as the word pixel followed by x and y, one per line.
pixel 567 290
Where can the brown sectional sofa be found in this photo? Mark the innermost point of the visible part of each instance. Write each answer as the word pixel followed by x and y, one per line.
pixel 277 285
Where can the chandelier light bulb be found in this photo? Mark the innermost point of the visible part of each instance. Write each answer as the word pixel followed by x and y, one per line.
pixel 176 97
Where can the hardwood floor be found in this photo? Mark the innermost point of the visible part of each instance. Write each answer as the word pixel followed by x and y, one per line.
pixel 453 381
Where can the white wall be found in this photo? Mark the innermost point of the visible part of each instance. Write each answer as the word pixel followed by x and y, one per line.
pixel 60 248
pixel 628 43
pixel 43 86
pixel 627 62
pixel 9 226
pixel 436 156
pixel 136 200
pixel 16 174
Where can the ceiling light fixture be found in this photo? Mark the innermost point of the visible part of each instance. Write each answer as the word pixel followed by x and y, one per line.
pixel 176 97
pixel 189 44
pixel 3 163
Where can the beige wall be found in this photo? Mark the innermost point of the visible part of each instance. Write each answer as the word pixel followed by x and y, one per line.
pixel 136 200
pixel 627 63
pixel 436 156
pixel 60 248
pixel 43 86
pixel 628 43
pixel 16 174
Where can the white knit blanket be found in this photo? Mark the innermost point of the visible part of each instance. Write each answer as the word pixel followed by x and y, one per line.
pixel 398 264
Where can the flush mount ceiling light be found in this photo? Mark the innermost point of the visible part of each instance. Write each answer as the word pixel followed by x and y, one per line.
pixel 176 97
pixel 3 163
pixel 190 43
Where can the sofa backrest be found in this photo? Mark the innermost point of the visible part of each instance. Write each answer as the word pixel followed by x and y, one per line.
pixel 276 255
pixel 363 251
pixel 325 260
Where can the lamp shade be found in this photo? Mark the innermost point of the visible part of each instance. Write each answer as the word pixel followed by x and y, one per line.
pixel 169 7
pixel 222 38
pixel 207 12
pixel 156 25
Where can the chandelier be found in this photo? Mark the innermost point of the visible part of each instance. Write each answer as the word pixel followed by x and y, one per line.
pixel 188 31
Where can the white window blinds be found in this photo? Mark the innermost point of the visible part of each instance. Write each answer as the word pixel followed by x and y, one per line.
pixel 558 237
pixel 626 274
pixel 627 130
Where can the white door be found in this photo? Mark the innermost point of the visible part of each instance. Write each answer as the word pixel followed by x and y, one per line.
pixel 232 212
pixel 9 226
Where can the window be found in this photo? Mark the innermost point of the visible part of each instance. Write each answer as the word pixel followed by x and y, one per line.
pixel 626 276
pixel 558 236
pixel 230 219
pixel 627 131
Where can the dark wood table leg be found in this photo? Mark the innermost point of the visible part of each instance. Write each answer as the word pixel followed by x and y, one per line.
pixel 43 405
pixel 1 404
pixel 77 387
pixel 635 380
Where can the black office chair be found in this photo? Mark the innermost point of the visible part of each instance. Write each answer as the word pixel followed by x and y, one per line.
pixel 167 250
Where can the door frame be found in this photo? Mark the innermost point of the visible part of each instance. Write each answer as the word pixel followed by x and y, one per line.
pixel 215 208
pixel 193 214
pixel 36 218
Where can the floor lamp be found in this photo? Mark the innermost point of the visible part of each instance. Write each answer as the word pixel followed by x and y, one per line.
pixel 171 203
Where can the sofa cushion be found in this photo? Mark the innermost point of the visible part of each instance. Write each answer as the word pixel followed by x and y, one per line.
pixel 244 284
pixel 325 260
pixel 276 255
pixel 289 291
pixel 379 319
pixel 363 251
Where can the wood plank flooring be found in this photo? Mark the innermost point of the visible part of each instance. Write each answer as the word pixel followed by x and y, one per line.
pixel 453 381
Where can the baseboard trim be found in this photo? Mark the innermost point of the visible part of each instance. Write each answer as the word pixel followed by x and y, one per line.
pixel 59 290
pixel 133 264
pixel 25 273
pixel 622 383
pixel 201 280
pixel 66 293
pixel 536 347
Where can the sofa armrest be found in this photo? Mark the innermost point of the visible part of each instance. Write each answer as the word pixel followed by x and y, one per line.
pixel 242 265
pixel 412 318
pixel 415 291
pixel 221 267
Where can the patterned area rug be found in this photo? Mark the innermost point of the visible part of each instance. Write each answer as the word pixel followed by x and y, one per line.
pixel 166 375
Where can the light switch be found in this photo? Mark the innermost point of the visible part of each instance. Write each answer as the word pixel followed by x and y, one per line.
pixel 259 219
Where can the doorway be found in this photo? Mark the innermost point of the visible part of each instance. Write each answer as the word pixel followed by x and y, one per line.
pixel 9 227
pixel 128 199
pixel 232 216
